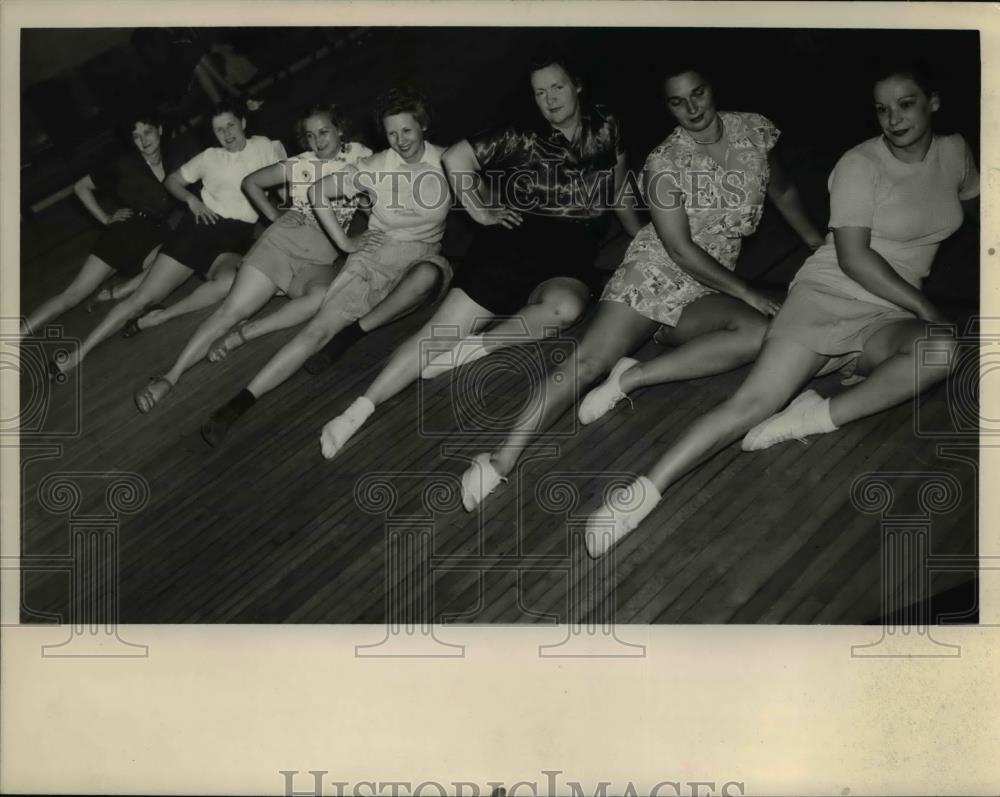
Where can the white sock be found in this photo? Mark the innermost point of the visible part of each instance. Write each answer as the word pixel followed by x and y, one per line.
pixel 818 417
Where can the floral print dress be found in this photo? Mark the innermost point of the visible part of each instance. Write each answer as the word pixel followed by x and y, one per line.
pixel 723 203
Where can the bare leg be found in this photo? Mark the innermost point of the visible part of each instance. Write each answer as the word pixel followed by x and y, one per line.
pixel 458 312
pixel 220 280
pixel 418 285
pixel 616 330
pixel 889 358
pixel 92 274
pixel 250 292
pixel 715 334
pixel 116 293
pixel 553 306
pixel 324 325
pixel 782 368
pixel 290 314
pixel 164 276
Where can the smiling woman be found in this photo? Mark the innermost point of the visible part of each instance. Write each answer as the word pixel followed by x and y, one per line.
pixel 394 267
pixel 134 230
pixel 855 305
pixel 221 221
pixel 294 255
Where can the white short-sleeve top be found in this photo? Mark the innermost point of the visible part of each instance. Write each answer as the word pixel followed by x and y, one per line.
pixel 221 172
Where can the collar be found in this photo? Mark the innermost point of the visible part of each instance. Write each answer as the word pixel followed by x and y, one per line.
pixel 431 157
pixel 586 122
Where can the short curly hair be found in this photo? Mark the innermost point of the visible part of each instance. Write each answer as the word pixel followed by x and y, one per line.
pixel 331 111
pixel 402 100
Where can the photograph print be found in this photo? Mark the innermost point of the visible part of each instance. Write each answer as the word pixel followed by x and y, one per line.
pixel 471 325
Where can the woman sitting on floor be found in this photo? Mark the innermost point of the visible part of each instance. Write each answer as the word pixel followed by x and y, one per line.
pixel 538 266
pixel 134 230
pixel 705 187
pixel 395 266
pixel 221 220
pixel 293 256
pixel 856 304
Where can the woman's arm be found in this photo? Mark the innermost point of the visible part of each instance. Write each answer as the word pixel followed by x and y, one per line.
pixel 625 203
pixel 177 186
pixel 84 188
pixel 255 186
pixel 334 186
pixel 785 196
pixel 870 270
pixel 462 168
pixel 671 224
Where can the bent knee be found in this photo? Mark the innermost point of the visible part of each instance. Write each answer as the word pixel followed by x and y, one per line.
pixel 565 306
pixel 425 277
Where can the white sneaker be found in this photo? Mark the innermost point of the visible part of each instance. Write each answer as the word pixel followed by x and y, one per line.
pixel 479 481
pixel 603 398
pixel 794 422
pixel 623 510
pixel 338 431
pixel 467 351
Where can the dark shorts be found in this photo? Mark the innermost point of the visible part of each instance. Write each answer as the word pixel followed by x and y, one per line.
pixel 504 266
pixel 124 245
pixel 198 245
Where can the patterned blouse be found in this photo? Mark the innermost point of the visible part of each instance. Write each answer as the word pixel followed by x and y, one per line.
pixel 720 199
pixel 723 203
pixel 536 169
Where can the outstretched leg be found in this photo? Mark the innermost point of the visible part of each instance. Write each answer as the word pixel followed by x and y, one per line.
pixel 92 274
pixel 116 293
pixel 714 334
pixel 553 306
pixel 250 292
pixel 615 331
pixel 895 375
pixel 895 372
pixel 165 275
pixel 781 369
pixel 458 314
pixel 418 286
pixel 213 290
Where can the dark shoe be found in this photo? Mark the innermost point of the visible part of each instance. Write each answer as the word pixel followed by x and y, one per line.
pixel 132 328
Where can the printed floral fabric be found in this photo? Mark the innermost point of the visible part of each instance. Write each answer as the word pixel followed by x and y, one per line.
pixel 723 203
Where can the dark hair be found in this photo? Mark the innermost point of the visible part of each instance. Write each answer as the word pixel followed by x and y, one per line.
pixel 225 107
pixel 135 116
pixel 683 66
pixel 401 100
pixel 126 123
pixel 560 58
pixel 332 112
pixel 916 70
